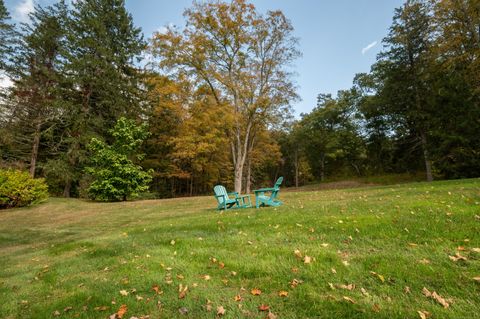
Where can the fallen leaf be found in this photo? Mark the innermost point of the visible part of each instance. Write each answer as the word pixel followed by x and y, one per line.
pixel 349 299
pixel 307 259
pixel 124 292
pixel 156 289
pixel 67 309
pixel 256 292
pixel 221 265
pixel 101 308
pixel 426 292
pixel 56 313
pixel 122 311
pixel 220 311
pixel 283 293
pixel 406 290
pixel 348 287
pixel 182 291
pixel 424 261
pixel 331 286
pixel 139 298
pixel 297 253
pixel 364 291
pixel 440 300
pixel 457 257
pixel 324 245
pixel 435 296
pixel 382 279
pixel 477 250
pixel 263 307
pixel 345 262
pixel 183 311
pixel 206 277
pixel 295 282
pixel 333 271
pixel 172 242
pixel 476 278
pixel 424 314
pixel 376 307
pixel 271 315
pixel 208 306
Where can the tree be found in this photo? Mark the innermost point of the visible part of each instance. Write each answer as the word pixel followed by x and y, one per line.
pixel 403 73
pixel 34 99
pixel 187 144
pixel 115 176
pixel 243 58
pixel 7 36
pixel 102 48
pixel 456 74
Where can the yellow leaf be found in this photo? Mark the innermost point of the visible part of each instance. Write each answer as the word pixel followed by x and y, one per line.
pixel 182 291
pixel 124 292
pixel 297 253
pixel 256 292
pixel 349 299
pixel 307 259
pixel 283 293
pixel 424 314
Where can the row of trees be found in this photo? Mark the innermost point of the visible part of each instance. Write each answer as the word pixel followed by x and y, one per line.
pixel 216 95
pixel 210 94
pixel 417 110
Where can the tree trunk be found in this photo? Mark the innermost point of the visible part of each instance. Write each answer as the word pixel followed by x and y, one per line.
pixel 426 156
pixel 248 177
pixel 238 176
pixel 322 167
pixel 296 167
pixel 35 146
pixel 66 189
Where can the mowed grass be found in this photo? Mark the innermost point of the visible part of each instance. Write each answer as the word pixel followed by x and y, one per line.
pixel 71 258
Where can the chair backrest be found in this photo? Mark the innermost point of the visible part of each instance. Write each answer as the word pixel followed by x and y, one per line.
pixel 220 190
pixel 276 188
pixel 278 182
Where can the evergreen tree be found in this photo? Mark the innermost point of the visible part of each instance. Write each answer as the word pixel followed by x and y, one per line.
pixel 7 34
pixel 35 98
pixel 103 45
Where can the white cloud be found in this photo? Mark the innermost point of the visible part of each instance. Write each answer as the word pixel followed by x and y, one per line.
pixel 23 9
pixel 368 47
pixel 164 29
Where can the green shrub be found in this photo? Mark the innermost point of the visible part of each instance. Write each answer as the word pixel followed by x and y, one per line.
pixel 18 189
pixel 115 176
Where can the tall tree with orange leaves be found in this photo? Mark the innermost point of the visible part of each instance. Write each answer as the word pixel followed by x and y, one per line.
pixel 244 58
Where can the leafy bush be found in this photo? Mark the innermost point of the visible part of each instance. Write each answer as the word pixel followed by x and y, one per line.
pixel 18 189
pixel 115 176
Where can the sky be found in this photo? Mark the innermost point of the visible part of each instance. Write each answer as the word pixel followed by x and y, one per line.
pixel 338 38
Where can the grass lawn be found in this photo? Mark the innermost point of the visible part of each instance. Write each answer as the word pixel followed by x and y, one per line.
pixel 69 258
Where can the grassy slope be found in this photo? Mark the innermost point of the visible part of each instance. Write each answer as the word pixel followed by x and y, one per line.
pixel 71 253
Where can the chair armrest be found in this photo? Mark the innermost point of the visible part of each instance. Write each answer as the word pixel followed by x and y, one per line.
pixel 264 190
pixel 217 196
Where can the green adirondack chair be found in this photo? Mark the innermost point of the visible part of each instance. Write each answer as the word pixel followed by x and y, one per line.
pixel 268 200
pixel 225 202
